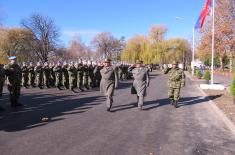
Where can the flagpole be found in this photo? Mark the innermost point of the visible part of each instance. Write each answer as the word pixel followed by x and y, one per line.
pixel 213 43
pixel 193 51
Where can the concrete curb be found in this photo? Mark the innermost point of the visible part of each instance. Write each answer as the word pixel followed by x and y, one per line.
pixel 219 112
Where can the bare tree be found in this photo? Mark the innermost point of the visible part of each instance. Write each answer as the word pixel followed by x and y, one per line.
pixel 45 32
pixel 105 43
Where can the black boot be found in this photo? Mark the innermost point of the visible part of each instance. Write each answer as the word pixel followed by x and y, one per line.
pixel 176 104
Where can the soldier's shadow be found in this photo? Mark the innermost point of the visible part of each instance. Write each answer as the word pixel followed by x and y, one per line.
pixel 184 101
pixel 54 106
pixel 150 105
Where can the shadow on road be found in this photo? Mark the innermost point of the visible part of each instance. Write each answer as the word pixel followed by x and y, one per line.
pixel 149 105
pixel 51 106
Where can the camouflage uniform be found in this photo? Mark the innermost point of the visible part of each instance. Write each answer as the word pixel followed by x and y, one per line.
pixel 175 82
pixel 14 79
pixel 80 70
pixel 97 75
pixel 32 75
pixel 47 75
pixel 90 76
pixel 121 72
pixel 86 76
pixel 25 75
pixel 72 77
pixel 2 78
pixel 39 75
pixel 66 76
pixel 53 77
pixel 59 76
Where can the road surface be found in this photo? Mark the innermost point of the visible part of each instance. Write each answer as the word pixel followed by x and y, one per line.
pixel 79 124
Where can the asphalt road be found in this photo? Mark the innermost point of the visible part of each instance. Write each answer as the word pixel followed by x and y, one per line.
pixel 79 124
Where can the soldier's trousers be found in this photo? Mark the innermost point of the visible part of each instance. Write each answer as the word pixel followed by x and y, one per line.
pixel 32 79
pixel 47 81
pixel 109 101
pixel 66 82
pixel 140 100
pixel 85 81
pixel 14 94
pixel 73 83
pixel 39 81
pixel 25 80
pixel 80 81
pixel 1 87
pixel 53 80
pixel 59 82
pixel 174 93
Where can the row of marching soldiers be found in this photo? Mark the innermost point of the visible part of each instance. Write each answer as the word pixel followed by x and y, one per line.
pixel 82 75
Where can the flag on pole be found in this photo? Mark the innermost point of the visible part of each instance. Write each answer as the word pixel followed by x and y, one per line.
pixel 206 11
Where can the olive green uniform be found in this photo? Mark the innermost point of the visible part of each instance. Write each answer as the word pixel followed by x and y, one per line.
pixel 25 76
pixel 47 76
pixel 14 79
pixel 59 76
pixel 66 76
pixel 72 77
pixel 2 78
pixel 39 76
pixel 80 70
pixel 32 76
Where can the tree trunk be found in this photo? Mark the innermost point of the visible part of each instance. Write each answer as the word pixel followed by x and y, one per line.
pixel 221 63
pixel 231 62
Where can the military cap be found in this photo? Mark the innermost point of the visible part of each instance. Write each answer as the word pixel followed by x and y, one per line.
pixel 138 62
pixel 12 58
pixel 175 63
pixel 107 60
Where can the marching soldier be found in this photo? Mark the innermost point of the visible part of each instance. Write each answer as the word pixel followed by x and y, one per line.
pixel 86 75
pixel 90 75
pixel 25 75
pixel 97 75
pixel 39 75
pixel 32 74
pixel 66 75
pixel 2 78
pixel 59 75
pixel 108 82
pixel 121 72
pixel 47 75
pixel 14 79
pixel 72 76
pixel 80 70
pixel 175 82
pixel 53 77
pixel 141 82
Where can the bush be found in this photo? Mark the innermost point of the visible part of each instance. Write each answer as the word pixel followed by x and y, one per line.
pixel 207 76
pixel 199 74
pixel 232 88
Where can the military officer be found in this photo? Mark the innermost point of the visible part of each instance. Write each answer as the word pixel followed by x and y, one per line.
pixel 14 79
pixel 32 74
pixel 59 75
pixel 108 82
pixel 141 82
pixel 66 75
pixel 2 78
pixel 175 82
pixel 39 75
pixel 25 74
